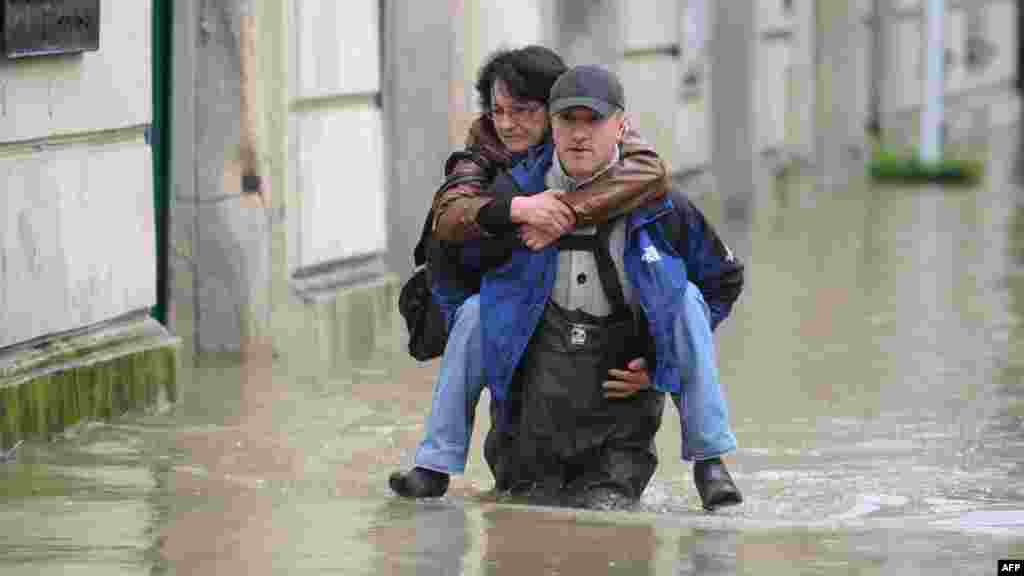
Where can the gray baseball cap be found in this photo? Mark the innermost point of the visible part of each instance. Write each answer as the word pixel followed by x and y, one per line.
pixel 592 87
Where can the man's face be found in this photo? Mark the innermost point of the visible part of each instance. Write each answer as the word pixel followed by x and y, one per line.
pixel 586 142
pixel 519 123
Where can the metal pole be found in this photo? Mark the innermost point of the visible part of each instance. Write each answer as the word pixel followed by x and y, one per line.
pixel 934 82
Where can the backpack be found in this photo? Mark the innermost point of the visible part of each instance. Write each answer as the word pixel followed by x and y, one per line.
pixel 428 333
pixel 428 330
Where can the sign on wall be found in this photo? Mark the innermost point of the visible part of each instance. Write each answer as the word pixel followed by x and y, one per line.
pixel 41 27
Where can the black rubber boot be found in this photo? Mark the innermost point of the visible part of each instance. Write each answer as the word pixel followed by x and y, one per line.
pixel 419 483
pixel 715 485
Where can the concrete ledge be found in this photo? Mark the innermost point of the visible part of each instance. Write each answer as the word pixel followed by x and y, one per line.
pixel 97 374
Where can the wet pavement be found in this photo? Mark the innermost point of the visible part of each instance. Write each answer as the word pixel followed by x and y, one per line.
pixel 876 385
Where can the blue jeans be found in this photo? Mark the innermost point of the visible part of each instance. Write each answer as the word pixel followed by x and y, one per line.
pixel 459 383
pixel 704 418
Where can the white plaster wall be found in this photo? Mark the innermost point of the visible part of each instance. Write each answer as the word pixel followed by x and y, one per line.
pixel 906 58
pixel 802 87
pixel 771 15
pixel 509 23
pixel 772 72
pixel 652 23
pixel 489 25
pixel 341 170
pixel 76 208
pixel 652 81
pixel 101 90
pixel 77 238
pixel 693 125
pixel 336 131
pixel 862 69
pixel 693 135
pixel 956 38
pixel 999 28
pixel 651 85
pixel 338 45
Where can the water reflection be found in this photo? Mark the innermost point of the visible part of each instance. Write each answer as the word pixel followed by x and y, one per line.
pixel 536 541
pixel 709 553
pixel 412 539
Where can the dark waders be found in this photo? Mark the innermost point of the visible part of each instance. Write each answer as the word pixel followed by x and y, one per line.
pixel 571 440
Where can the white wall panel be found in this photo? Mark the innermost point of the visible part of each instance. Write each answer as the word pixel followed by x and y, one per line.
pixel 772 71
pixel 1005 111
pixel 111 247
pixel 512 24
pixel 336 155
pixel 652 100
pixel 338 45
pixel 340 178
pixel 101 90
pixel 490 25
pixel 33 280
pixel 693 136
pixel 77 238
pixel 956 41
pixel 906 64
pixel 1001 30
pixel 651 23
pixel 772 15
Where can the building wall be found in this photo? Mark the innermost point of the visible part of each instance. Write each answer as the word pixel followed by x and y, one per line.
pixel 651 70
pixel 666 70
pixel 357 109
pixel 815 71
pixel 423 81
pixel 336 156
pixel 303 264
pixel 76 211
pixel 477 28
pixel 981 44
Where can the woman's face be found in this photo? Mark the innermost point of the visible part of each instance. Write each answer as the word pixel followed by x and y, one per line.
pixel 520 124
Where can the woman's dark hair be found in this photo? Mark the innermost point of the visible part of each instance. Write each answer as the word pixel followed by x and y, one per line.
pixel 527 72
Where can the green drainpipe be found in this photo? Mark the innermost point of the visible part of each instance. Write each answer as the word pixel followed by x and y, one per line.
pixel 160 141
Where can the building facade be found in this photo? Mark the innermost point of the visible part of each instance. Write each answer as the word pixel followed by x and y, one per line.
pixel 293 147
pixel 352 109
pixel 78 257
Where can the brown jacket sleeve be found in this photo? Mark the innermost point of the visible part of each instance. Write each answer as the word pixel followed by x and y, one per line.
pixel 458 202
pixel 456 207
pixel 639 177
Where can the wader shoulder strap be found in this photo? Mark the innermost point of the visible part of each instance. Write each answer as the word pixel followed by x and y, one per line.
pixel 606 269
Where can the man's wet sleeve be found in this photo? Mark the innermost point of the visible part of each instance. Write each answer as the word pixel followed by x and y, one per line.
pixel 712 266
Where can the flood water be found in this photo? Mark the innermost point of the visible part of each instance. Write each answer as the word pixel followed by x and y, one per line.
pixel 873 366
